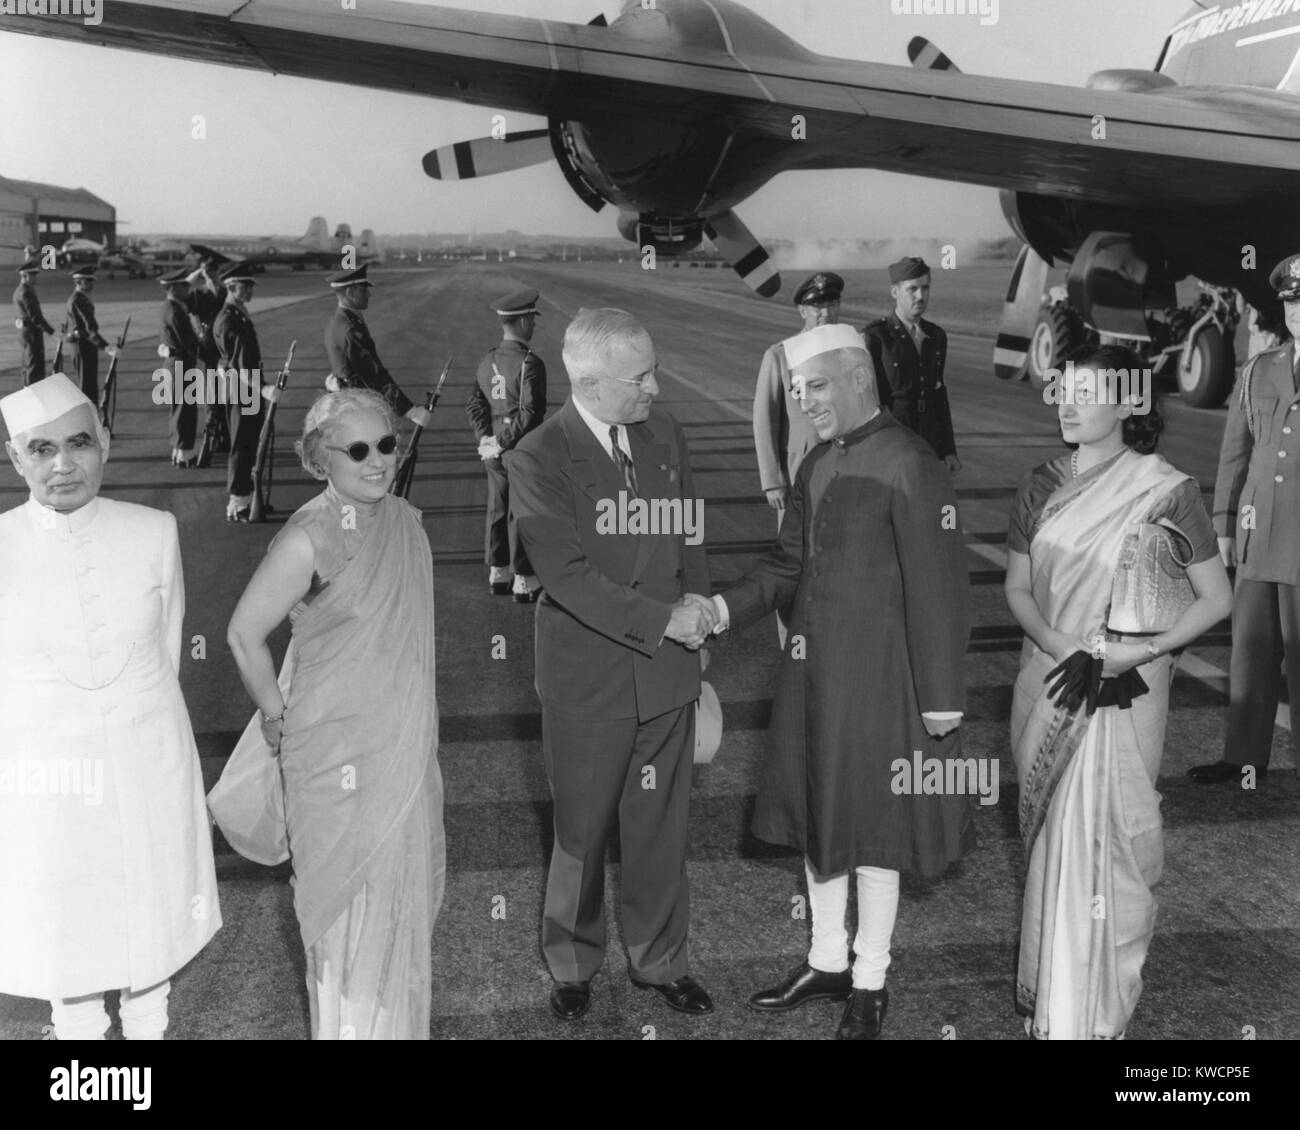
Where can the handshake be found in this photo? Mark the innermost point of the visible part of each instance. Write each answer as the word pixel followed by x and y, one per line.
pixel 693 621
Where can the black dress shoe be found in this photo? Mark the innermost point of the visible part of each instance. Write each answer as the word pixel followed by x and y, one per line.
pixel 804 984
pixel 685 994
pixel 864 1015
pixel 570 999
pixel 527 597
pixel 500 588
pixel 1219 771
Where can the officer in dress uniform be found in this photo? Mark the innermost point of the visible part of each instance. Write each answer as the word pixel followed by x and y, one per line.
pixel 354 361
pixel 909 354
pixel 507 402
pixel 241 360
pixel 83 333
pixel 207 297
pixel 1257 518
pixel 179 346
pixel 782 433
pixel 31 323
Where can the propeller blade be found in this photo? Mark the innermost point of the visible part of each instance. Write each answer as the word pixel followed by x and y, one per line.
pixel 1019 313
pixel 599 21
pixel 486 156
pixel 925 56
pixel 748 257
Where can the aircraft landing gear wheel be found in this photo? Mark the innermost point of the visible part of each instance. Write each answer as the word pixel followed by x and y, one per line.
pixel 1207 379
pixel 1057 332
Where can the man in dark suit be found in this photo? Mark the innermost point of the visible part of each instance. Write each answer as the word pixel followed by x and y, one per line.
pixel 617 670
pixel 179 346
pixel 909 355
pixel 83 333
pixel 873 683
pixel 353 358
pixel 31 323
pixel 241 360
pixel 207 297
pixel 508 401
pixel 1257 518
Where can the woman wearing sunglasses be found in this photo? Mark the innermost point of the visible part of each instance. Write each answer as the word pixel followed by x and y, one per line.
pixel 355 722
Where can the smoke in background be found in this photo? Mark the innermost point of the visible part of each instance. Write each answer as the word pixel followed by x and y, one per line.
pixel 871 254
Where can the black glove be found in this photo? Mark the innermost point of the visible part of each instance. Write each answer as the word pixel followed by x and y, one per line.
pixel 1078 679
pixel 1122 690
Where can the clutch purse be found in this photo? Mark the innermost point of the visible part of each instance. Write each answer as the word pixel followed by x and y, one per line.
pixel 1151 590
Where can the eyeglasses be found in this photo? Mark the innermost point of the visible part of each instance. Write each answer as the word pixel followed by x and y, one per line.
pixel 642 380
pixel 358 451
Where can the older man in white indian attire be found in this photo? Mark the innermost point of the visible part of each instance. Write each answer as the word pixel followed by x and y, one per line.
pixel 107 879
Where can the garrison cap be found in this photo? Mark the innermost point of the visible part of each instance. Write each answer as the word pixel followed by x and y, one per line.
pixel 907 268
pixel 821 289
pixel 1285 279
pixel 350 278
pixel 29 265
pixel 236 272
pixel 87 272
pixel 174 278
pixel 516 304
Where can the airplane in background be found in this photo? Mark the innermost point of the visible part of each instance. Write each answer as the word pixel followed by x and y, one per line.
pixel 679 110
pixel 314 249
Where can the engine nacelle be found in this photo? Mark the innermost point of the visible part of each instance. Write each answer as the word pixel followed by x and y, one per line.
pixel 1129 81
pixel 669 237
pixel 1115 280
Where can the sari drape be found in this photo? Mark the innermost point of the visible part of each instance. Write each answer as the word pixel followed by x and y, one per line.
pixel 361 784
pixel 1089 810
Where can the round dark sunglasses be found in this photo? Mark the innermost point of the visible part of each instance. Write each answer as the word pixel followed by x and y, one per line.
pixel 358 451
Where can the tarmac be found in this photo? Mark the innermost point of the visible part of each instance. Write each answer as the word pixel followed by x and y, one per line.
pixel 1227 942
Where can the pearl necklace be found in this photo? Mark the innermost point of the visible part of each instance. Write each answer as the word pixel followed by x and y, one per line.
pixel 1074 464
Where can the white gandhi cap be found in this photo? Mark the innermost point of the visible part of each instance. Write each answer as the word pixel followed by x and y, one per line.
pixel 39 403
pixel 824 339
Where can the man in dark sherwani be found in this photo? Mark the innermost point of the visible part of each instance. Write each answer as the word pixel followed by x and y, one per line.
pixel 870 568
pixel 83 333
pixel 241 358
pixel 353 358
pixel 31 323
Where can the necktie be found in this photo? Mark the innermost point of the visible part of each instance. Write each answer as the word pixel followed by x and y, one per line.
pixel 624 461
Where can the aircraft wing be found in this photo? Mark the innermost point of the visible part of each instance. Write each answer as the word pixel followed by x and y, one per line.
pixel 1166 148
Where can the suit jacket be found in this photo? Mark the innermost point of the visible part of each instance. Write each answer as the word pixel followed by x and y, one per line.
pixel 1262 471
pixel 511 407
pixel 782 433
pixel 178 336
pixel 355 361
pixel 236 339
pixel 82 326
pixel 28 306
pixel 910 384
pixel 608 596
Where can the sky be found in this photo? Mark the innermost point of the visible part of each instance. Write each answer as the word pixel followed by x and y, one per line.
pixel 279 150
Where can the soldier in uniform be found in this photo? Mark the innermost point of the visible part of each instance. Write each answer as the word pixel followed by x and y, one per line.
pixel 207 297
pixel 782 433
pixel 909 354
pixel 84 335
pixel 179 346
pixel 31 323
pixel 1257 518
pixel 241 359
pixel 354 361
pixel 507 402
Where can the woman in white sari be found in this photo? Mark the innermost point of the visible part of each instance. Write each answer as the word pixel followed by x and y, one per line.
pixel 1089 810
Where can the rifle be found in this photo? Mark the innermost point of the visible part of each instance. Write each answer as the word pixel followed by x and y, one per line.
pixel 58 349
pixel 108 395
pixel 266 445
pixel 406 466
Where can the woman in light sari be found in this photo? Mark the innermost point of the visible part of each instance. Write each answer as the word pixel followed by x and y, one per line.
pixel 354 719
pixel 1089 811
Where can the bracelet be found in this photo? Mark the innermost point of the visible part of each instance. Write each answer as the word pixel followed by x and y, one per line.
pixel 266 720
